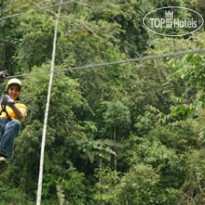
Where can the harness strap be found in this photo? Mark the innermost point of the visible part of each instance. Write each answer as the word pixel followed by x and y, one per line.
pixel 3 109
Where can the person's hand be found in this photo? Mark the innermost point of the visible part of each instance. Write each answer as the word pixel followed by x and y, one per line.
pixel 6 100
pixel 3 74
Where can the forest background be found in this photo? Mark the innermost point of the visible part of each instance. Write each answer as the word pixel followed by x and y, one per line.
pixel 123 134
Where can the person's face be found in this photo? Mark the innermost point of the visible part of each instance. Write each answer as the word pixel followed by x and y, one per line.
pixel 14 92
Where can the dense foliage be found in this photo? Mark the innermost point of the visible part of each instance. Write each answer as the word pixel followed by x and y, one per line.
pixel 123 134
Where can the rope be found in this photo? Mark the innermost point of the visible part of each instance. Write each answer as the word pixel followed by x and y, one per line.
pixel 153 57
pixel 39 9
pixel 40 179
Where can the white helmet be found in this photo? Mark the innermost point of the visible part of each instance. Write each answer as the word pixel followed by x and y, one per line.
pixel 14 81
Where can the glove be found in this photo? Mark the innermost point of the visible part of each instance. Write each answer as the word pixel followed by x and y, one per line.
pixel 6 100
pixel 3 74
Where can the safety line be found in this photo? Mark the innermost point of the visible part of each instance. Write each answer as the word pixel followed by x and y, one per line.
pixel 39 9
pixel 153 57
pixel 40 179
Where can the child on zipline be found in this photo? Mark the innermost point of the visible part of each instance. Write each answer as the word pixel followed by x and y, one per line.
pixel 11 113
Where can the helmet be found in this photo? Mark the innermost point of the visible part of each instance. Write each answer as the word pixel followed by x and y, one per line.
pixel 14 81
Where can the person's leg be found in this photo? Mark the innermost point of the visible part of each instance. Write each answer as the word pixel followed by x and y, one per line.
pixel 12 129
pixel 3 122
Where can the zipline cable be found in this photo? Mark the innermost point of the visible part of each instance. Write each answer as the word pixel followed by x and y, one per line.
pixel 39 9
pixel 40 179
pixel 153 57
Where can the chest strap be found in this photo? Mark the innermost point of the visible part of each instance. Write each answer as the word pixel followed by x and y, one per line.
pixel 3 109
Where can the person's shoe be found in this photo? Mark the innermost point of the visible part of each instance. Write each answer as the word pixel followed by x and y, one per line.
pixel 3 164
pixel 2 159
